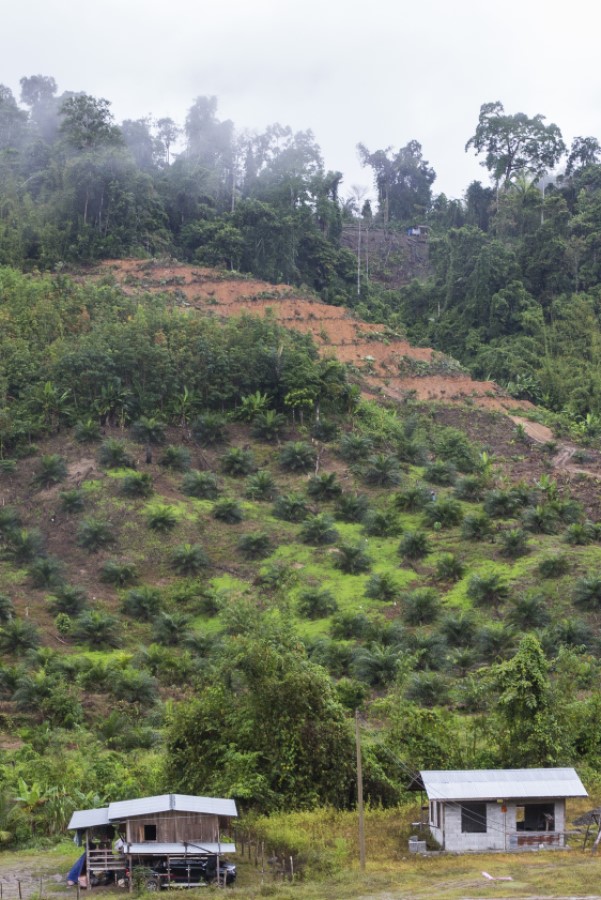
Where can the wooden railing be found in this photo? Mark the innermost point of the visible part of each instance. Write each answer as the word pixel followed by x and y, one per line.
pixel 106 860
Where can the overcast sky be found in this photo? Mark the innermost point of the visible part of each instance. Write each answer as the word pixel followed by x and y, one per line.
pixel 382 72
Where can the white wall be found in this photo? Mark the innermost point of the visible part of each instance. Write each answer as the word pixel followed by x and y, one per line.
pixel 499 827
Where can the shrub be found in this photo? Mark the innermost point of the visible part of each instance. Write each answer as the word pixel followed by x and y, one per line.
pixel 568 511
pixel 95 534
pixel 10 521
pixel 24 545
pixel 427 689
pixel 97 629
pixel 554 566
pixel 502 504
pixel 113 455
pixel 572 632
pixel 441 473
pixel 161 517
pixel 119 574
pixel 134 686
pixel 449 568
pixel 238 462
pixel 150 431
pixel 352 507
pixel 87 431
pixel 495 641
pixel 72 501
pixel 382 470
pixel 324 487
pixel 8 466
pixel 142 603
pixel 255 545
pixel 579 534
pixel 324 431
pixel 290 508
pixel 261 486
pixel 201 485
pixel 587 592
pixel 268 425
pixel 318 530
pixel 68 599
pixel 352 559
pixel 52 470
pixel 453 446
pixel 476 527
pixel 177 459
pixel 18 635
pixel 188 559
pixel 349 625
pixel 354 447
pixel 514 543
pixel 470 488
pixel 170 628
pixel 445 513
pixel 414 545
pixel 209 429
pixel 228 511
pixel 528 612
pixel 540 519
pixel 351 693
pixel 137 485
pixel 381 523
pixel 276 576
pixel 458 628
pixel 46 572
pixel 297 456
pixel 383 587
pixel 487 590
pixel 316 604
pixel 7 609
pixel 413 498
pixel 421 607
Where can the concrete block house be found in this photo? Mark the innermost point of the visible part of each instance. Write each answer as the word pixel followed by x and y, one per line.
pixel 499 809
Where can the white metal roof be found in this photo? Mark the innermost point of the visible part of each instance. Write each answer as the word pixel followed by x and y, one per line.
pixel 127 809
pixel 502 784
pixel 89 818
pixel 178 849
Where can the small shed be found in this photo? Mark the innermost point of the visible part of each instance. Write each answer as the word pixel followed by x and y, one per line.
pixel 499 809
pixel 133 832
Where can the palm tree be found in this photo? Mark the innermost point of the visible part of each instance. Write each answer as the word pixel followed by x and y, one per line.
pixel 189 559
pixel 261 486
pixel 138 485
pixel 324 486
pixel 297 456
pixel 52 470
pixel 113 455
pixel 149 431
pixel 238 462
pixel 142 603
pixel 18 635
pixel 290 508
pixel 161 517
pixel 354 447
pixel 95 534
pixel 422 607
pixel 170 628
pixel 228 510
pixel 69 600
pixel 318 530
pixel 383 587
pixel 97 629
pixel 487 590
pixel 209 429
pixel 353 559
pixel 255 545
pixel 377 664
pixel 414 545
pixel 201 485
pixel 268 426
pixel 177 459
pixel 382 470
pixel 316 603
pixel 119 574
pixel 587 592
pixel 352 507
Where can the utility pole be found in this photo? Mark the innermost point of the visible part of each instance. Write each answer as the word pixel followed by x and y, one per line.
pixel 360 794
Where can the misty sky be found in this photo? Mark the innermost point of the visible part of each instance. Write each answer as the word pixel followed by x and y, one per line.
pixel 382 72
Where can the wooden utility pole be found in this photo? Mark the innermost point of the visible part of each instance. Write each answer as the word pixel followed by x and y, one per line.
pixel 360 794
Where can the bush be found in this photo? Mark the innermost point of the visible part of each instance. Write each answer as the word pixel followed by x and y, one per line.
pixel 453 446
pixel 316 604
pixel 177 459
pixel 382 470
pixel 422 607
pixel 382 587
pixel 189 559
pixel 95 534
pixel 444 513
pixel 52 470
pixel 72 501
pixel 297 456
pixel 554 566
pixel 354 447
pixel 381 523
pixel 137 485
pixel 201 485
pixel 255 545
pixel 351 693
pixel 119 574
pixel 209 429
pixel 514 543
pixel 161 517
pixel 238 462
pixel 476 527
pixel 487 590
pixel 290 508
pixel 324 487
pixel 441 473
pixel 587 592
pixel 318 530
pixel 113 455
pixel 142 603
pixel 68 599
pixel 352 559
pixel 349 625
pixel 352 507
pixel 228 511
pixel 413 498
pixel 449 568
pixel 414 545
pixel 261 486
pixel 46 572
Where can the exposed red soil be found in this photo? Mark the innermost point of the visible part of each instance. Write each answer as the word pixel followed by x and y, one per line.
pixel 389 365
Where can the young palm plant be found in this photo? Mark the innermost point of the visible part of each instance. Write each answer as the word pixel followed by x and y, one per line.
pixel 353 559
pixel 318 530
pixel 201 485
pixel 189 559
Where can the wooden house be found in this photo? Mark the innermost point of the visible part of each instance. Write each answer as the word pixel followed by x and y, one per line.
pixel 499 809
pixel 132 832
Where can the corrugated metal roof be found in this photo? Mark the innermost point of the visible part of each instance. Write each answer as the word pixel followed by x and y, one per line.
pixel 180 849
pixel 502 784
pixel 126 809
pixel 89 818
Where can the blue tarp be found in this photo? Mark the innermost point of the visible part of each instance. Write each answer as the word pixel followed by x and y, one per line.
pixel 75 872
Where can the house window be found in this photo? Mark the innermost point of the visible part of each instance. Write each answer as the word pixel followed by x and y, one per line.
pixel 473 818
pixel 150 832
pixel 435 813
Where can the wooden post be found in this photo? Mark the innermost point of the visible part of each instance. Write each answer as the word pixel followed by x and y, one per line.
pixel 360 794
pixel 20 894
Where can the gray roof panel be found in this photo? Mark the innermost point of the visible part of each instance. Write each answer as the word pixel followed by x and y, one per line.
pixel 127 809
pixel 178 849
pixel 89 818
pixel 502 784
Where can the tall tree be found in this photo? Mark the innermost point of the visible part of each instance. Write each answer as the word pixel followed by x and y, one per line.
pixel 403 181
